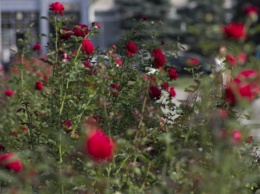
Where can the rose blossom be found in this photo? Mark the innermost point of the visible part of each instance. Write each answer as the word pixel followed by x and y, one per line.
pixel 80 30
pixel 36 47
pixel 87 47
pixel 159 58
pixel 38 85
pixel 172 92
pixel 172 73
pixel 99 146
pixel 154 92
pixel 57 7
pixel 9 93
pixel 244 85
pixel 234 30
pixel 250 9
pixel 131 48
pixel 11 162
pixel 165 86
pixel 236 136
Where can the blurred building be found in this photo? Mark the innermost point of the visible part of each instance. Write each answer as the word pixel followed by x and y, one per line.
pixel 17 15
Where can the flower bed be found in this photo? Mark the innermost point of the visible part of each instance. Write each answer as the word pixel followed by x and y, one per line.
pixel 80 120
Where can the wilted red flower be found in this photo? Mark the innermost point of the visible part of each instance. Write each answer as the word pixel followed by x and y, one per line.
pixel 38 85
pixel 37 47
pixel 154 92
pixel 131 48
pixel 172 92
pixel 2 148
pixel 234 30
pixel 159 58
pixel 67 124
pixel 80 30
pixel 65 33
pixel 236 136
pixel 193 61
pixel 9 93
pixel 99 146
pixel 250 9
pixel 11 162
pixel 173 74
pixel 88 47
pixel 57 7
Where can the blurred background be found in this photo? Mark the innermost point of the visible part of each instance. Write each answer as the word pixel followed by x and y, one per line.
pixel 195 23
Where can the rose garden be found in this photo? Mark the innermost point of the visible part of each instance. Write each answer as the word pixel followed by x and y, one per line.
pixel 82 120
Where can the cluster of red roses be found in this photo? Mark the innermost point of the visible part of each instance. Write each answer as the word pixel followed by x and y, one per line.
pixel 244 86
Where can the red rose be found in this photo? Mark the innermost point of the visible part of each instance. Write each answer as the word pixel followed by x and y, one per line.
pixel 65 33
pixel 193 61
pixel 11 162
pixel 165 86
pixel 99 146
pixel 38 86
pixel 80 30
pixel 87 47
pixel 172 92
pixel 118 61
pixel 36 47
pixel 57 8
pixel 131 48
pixel 115 86
pixel 159 58
pixel 235 31
pixel 154 92
pixel 250 9
pixel 9 93
pixel 236 136
pixel 87 65
pixel 231 60
pixel 244 86
pixel 172 73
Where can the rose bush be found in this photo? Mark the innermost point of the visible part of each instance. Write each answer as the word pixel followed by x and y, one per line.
pixel 88 121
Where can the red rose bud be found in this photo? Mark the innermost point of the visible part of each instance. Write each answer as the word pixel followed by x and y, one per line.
pixel 131 48
pixel 87 47
pixel 159 58
pixel 193 62
pixel 57 8
pixel 154 92
pixel 173 74
pixel 80 30
pixel 9 93
pixel 38 86
pixel 11 162
pixel 2 148
pixel 235 31
pixel 99 146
